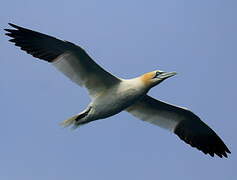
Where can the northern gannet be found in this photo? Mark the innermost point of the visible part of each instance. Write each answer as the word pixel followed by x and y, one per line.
pixel 111 95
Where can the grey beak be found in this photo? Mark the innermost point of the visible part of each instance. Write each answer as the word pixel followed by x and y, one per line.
pixel 166 75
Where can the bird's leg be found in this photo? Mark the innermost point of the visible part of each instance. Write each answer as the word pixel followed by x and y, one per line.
pixel 82 115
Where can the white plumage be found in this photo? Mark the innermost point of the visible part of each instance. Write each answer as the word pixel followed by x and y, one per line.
pixel 111 95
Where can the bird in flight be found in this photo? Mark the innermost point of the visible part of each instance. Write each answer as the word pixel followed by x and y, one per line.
pixel 111 95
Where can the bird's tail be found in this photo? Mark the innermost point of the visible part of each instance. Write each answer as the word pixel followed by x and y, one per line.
pixel 77 120
pixel 69 121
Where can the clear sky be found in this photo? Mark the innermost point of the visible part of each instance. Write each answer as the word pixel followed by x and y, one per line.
pixel 197 39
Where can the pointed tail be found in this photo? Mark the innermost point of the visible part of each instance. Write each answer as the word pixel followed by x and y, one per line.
pixel 76 120
pixel 69 121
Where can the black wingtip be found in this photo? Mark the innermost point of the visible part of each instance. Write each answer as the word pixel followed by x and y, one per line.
pixel 15 26
pixel 202 137
pixel 8 30
pixel 228 151
pixel 38 45
pixel 224 154
pixel 7 34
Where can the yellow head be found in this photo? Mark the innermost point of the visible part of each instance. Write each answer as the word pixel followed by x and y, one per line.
pixel 155 77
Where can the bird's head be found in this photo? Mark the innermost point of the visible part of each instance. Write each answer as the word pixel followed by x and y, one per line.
pixel 153 78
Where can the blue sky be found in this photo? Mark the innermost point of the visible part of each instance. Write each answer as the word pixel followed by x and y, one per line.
pixel 197 39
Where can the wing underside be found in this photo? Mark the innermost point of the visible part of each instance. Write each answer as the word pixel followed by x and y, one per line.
pixel 185 124
pixel 67 57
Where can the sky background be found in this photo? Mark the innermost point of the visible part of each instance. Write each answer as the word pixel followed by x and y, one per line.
pixel 197 39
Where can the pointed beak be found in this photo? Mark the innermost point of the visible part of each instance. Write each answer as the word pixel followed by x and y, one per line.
pixel 166 75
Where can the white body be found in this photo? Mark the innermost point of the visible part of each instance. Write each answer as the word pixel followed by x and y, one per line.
pixel 111 95
pixel 116 99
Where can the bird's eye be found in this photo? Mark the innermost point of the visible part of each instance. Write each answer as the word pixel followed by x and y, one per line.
pixel 158 73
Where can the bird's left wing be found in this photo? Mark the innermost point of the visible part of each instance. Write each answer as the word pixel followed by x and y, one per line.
pixel 70 59
pixel 182 122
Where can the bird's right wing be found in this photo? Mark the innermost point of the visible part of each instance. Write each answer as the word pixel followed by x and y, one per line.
pixel 68 58
pixel 182 122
